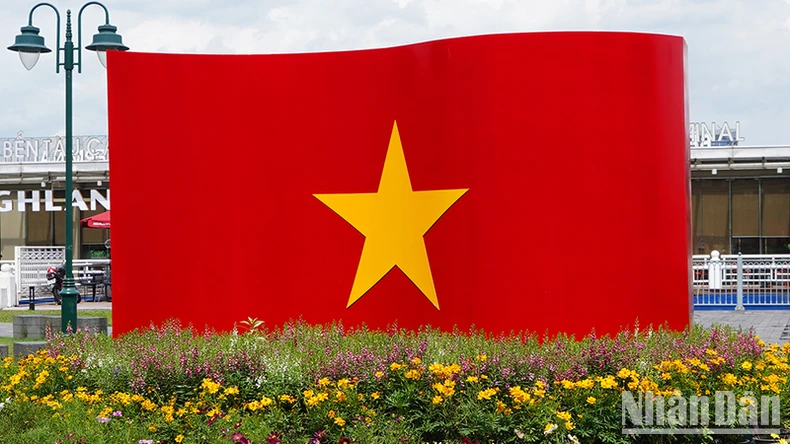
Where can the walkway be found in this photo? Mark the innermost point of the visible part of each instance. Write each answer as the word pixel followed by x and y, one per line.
pixel 771 325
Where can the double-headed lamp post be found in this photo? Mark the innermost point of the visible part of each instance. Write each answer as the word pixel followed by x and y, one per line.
pixel 30 45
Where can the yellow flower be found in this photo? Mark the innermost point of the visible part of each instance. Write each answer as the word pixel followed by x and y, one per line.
pixel 569 425
pixel 447 389
pixel 210 385
pixel 567 384
pixel 251 406
pixel 608 382
pixel 148 405
pixel 412 374
pixel 591 400
pixel 179 438
pixel 395 366
pixel 549 428
pixel 486 394
pixel 340 421
pixel 379 374
pixel 624 373
pixel 437 399
pixel 564 415
pixel 717 360
pixel 232 390
pixel 729 379
pixel 331 414
pixel 471 379
pixel 416 361
pixel 519 395
pixel 746 365
pixel 323 382
pixel 151 428
pixel 481 357
pixel 343 383
pixel 375 395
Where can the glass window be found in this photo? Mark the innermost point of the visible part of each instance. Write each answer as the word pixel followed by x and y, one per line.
pixel 714 217
pixel 776 207
pixel 745 207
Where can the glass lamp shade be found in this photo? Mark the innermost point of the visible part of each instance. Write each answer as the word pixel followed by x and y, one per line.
pixel 29 59
pixel 102 58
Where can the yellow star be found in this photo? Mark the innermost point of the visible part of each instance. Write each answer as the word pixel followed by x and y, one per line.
pixel 393 221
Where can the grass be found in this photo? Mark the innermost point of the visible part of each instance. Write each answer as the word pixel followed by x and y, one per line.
pixel 8 315
pixel 10 343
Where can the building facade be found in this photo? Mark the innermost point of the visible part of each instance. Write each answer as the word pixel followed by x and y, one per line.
pixel 32 193
pixel 740 194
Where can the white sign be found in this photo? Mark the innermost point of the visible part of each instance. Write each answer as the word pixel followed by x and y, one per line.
pixel 701 136
pixel 22 200
pixel 53 149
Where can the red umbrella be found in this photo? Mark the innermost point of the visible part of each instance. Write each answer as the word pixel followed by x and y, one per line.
pixel 101 220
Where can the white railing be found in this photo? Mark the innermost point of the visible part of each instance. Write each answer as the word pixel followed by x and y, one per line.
pixel 27 275
pixel 741 281
pixel 723 281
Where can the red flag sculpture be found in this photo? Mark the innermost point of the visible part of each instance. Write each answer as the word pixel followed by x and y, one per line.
pixel 511 182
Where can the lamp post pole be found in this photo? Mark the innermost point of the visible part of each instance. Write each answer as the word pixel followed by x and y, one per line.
pixel 30 45
pixel 68 313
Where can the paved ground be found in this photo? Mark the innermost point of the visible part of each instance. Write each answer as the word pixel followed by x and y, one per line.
pixel 771 325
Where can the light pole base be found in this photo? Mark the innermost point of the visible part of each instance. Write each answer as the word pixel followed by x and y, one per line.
pixel 68 310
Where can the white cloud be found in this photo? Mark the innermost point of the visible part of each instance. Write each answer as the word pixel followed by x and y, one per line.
pixel 738 64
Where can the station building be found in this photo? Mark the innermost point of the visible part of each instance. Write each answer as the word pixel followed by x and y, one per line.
pixel 32 193
pixel 740 193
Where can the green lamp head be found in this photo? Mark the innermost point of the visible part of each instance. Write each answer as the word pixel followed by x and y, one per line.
pixel 29 45
pixel 106 40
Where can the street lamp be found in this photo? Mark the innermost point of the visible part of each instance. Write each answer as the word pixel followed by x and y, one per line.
pixel 30 45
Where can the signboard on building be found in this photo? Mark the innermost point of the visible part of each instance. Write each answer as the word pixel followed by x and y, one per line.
pixel 21 149
pixel 37 200
pixel 702 136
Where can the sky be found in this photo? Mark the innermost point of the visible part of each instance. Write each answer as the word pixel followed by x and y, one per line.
pixel 738 67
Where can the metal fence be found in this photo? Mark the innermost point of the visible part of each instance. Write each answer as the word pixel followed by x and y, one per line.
pixel 29 269
pixel 741 281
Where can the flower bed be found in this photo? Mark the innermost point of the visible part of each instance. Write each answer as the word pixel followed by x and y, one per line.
pixel 327 384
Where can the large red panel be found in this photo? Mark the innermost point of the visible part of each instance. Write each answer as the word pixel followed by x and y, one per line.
pixel 572 146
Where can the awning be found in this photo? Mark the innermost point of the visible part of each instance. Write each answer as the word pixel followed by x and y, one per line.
pixel 101 220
